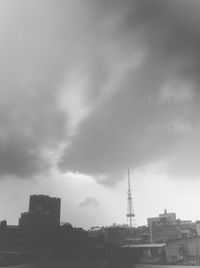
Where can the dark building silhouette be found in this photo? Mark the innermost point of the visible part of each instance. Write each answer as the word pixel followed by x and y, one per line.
pixel 40 235
pixel 43 211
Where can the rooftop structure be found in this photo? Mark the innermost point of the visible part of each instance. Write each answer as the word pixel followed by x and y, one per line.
pixel 163 218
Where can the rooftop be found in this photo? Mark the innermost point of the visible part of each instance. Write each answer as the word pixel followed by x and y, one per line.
pixel 143 246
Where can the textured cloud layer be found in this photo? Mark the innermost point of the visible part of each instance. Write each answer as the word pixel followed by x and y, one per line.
pixel 117 81
pixel 151 114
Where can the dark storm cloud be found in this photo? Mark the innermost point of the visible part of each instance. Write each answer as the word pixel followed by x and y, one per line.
pixel 147 118
pixel 140 60
pixel 37 49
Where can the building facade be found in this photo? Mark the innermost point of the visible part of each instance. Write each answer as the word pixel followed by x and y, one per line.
pixel 43 211
pixel 183 251
pixel 167 226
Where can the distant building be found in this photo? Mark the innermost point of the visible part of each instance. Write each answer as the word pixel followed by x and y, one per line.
pixel 43 211
pixel 120 234
pixel 169 217
pixel 198 227
pixel 164 218
pixel 163 233
pixel 166 227
pixel 153 220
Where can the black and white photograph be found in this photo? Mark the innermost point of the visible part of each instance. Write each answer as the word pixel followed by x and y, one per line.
pixel 99 133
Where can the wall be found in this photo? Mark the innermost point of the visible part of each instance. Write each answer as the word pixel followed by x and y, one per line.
pixel 182 248
pixel 162 233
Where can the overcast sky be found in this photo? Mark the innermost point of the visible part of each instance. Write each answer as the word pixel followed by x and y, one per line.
pixel 91 88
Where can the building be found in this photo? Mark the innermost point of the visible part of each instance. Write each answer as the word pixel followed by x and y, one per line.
pixel 163 233
pixel 164 218
pixel 184 251
pixel 168 217
pixel 167 226
pixel 43 211
pixel 120 234
pixel 198 227
pixel 144 253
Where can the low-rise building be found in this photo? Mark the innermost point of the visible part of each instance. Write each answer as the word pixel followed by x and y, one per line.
pixel 144 253
pixel 119 234
pixel 183 251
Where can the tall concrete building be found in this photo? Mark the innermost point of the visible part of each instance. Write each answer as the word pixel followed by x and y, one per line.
pixel 169 217
pixel 43 211
pixel 167 226
pixel 164 218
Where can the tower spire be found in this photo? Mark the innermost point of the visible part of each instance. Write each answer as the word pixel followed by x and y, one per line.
pixel 130 213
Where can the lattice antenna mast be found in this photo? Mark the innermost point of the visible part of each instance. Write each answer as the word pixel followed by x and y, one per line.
pixel 130 213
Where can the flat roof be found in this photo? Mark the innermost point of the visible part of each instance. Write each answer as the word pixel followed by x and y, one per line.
pixel 143 246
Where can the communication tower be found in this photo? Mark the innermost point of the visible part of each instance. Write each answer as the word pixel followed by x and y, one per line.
pixel 130 213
